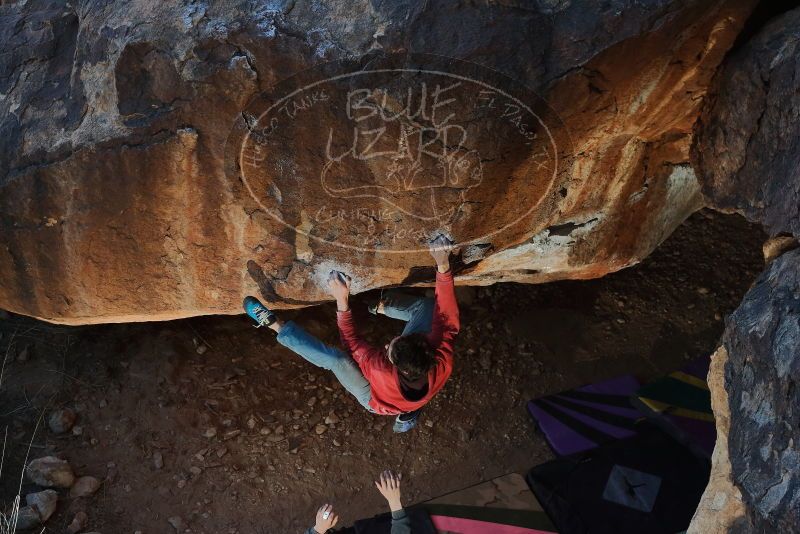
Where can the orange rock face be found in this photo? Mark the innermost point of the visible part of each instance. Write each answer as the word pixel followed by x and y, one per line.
pixel 162 161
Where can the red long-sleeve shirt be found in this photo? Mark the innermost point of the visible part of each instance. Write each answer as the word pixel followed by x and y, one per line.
pixel 387 398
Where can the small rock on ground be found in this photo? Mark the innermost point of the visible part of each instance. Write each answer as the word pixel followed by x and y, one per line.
pixel 44 502
pixel 177 523
pixel 84 487
pixel 50 472
pixel 27 518
pixel 62 420
pixel 78 523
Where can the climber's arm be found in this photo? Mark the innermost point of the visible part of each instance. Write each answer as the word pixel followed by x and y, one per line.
pixel 446 322
pixel 339 285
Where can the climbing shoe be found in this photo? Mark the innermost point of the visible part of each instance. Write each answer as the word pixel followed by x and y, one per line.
pixel 258 312
pixel 375 305
pixel 405 422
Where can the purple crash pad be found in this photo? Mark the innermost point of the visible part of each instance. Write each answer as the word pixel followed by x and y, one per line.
pixel 580 419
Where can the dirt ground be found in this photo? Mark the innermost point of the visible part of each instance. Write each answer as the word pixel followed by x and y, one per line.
pixel 144 390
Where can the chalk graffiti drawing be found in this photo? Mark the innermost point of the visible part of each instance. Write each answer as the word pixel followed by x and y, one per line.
pixel 379 158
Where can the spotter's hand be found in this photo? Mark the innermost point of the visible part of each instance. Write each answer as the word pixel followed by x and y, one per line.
pixel 326 519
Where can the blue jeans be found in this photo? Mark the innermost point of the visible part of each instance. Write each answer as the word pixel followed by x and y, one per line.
pixel 417 312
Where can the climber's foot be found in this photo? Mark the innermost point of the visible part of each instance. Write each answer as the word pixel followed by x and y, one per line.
pixel 405 422
pixel 258 312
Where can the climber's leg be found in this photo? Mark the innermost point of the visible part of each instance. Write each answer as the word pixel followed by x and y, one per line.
pixel 318 353
pixel 293 337
pixel 417 312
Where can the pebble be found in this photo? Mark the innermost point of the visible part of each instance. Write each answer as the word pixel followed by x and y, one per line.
pixel 265 431
pixel 77 430
pixel 201 349
pixel 336 443
pixel 50 472
pixel 196 471
pixel 158 460
pixel 331 419
pixel 210 432
pixel 84 487
pixel 429 423
pixel 44 502
pixel 320 429
pixel 176 522
pixel 230 435
pixel 78 523
pixel 27 518
pixel 251 423
pixel 61 421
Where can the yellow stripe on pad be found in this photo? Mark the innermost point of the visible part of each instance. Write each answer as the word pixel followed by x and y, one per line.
pixel 680 412
pixel 689 379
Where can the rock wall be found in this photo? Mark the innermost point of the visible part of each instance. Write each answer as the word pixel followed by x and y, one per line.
pixel 746 150
pixel 118 201
pixel 762 376
pixel 721 509
pixel 748 146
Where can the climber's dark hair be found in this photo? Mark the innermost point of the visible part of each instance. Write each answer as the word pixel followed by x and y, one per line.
pixel 413 355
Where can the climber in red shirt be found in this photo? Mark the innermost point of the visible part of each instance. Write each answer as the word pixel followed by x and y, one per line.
pixel 406 373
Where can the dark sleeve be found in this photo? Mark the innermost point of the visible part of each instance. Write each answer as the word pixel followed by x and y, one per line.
pixel 401 523
pixel 310 531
